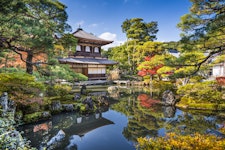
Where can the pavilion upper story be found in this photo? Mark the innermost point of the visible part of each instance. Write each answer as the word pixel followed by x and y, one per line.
pixel 88 59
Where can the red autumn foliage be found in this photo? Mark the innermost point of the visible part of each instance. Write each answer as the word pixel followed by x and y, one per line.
pixel 147 58
pixel 16 61
pixel 169 73
pixel 152 71
pixel 42 127
pixel 220 80
pixel 146 101
pixel 142 73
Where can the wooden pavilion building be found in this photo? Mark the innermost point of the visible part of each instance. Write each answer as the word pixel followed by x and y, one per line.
pixel 88 59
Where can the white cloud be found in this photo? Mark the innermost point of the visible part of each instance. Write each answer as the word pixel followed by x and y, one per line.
pixel 93 25
pixel 108 36
pixel 111 37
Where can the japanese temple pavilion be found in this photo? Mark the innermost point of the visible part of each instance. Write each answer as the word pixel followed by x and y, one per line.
pixel 88 59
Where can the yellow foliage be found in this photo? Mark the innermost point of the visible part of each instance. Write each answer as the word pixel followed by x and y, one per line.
pixel 178 142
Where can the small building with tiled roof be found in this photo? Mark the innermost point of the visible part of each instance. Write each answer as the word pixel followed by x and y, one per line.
pixel 88 59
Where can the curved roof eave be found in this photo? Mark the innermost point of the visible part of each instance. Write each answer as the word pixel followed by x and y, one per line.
pixel 88 61
pixel 88 36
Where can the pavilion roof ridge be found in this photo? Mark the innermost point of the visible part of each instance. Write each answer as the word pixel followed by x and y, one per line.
pixel 80 33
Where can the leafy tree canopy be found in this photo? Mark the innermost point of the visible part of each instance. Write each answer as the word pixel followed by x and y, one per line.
pixel 203 29
pixel 20 86
pixel 65 44
pixel 30 26
pixel 137 29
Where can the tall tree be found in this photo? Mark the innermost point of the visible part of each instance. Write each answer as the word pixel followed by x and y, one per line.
pixel 140 31
pixel 137 32
pixel 30 26
pixel 65 45
pixel 204 30
pixel 149 48
pixel 120 55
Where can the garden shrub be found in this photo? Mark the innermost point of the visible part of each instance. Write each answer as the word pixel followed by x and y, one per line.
pixel 31 108
pixel 58 90
pixel 33 117
pixel 62 90
pixel 203 92
pixel 20 86
pixel 11 70
pixel 163 85
pixel 50 91
pixel 182 142
pixel 59 71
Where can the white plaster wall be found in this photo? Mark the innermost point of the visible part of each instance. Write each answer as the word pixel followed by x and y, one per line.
pixel 218 71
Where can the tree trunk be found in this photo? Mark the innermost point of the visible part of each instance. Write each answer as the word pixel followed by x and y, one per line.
pixel 185 81
pixel 151 85
pixel 29 65
pixel 6 62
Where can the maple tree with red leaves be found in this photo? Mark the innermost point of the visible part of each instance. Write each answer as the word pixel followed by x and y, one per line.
pixel 145 70
pixel 151 65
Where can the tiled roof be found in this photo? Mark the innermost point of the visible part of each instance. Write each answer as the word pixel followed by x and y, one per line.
pixel 102 61
pixel 84 35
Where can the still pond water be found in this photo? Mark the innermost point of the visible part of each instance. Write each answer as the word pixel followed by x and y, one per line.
pixel 132 114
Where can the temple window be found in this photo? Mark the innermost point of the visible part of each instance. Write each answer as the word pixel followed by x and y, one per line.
pixel 78 48
pixel 96 50
pixel 87 49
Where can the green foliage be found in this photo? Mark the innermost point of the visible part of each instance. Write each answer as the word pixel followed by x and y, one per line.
pixel 31 108
pixel 59 71
pixel 137 29
pixel 150 48
pixel 177 142
pixel 64 72
pixel 203 32
pixel 121 55
pixel 186 66
pixel 5 58
pixel 62 90
pixel 50 91
pixel 203 92
pixel 32 24
pixel 33 117
pixel 163 85
pixel 58 90
pixel 11 6
pixel 20 86
pixel 67 43
pixel 137 32
pixel 166 71
pixel 204 106
pixel 11 70
pixel 219 59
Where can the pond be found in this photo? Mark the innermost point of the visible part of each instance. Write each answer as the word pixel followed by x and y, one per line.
pixel 133 113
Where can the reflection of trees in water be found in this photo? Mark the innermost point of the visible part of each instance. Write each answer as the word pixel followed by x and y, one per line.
pixel 140 125
pixel 187 123
pixel 169 111
pixel 146 120
pixel 141 122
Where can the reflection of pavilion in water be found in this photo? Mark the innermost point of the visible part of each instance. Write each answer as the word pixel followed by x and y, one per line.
pixel 87 124
pixel 71 125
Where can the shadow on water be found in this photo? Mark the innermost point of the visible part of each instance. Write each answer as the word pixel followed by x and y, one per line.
pixel 135 113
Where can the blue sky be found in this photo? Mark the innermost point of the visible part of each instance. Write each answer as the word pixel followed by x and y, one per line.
pixel 104 18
